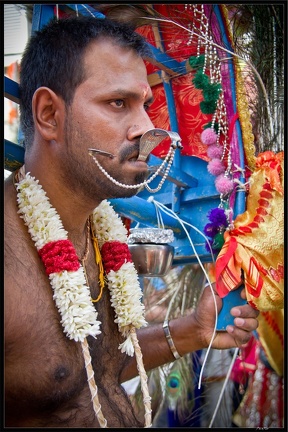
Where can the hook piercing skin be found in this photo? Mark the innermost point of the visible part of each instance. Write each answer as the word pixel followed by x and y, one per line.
pixel 148 142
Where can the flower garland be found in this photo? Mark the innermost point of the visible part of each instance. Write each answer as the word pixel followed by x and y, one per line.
pixel 122 277
pixel 67 278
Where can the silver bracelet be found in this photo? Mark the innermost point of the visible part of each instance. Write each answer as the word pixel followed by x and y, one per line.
pixel 170 340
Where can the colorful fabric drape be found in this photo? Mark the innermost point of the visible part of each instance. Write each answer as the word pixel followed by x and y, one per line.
pixel 271 335
pixel 256 244
pixel 263 403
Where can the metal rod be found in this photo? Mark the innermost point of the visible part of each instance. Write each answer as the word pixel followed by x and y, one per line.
pixel 102 152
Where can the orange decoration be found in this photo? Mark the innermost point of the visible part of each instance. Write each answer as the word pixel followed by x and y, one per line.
pixel 255 246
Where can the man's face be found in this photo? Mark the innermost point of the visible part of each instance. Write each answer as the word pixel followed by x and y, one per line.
pixel 108 113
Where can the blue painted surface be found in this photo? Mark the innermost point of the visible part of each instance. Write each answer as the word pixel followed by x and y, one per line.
pixel 11 89
pixel 169 62
pixel 13 155
pixel 84 9
pixel 194 205
pixel 42 14
pixel 232 299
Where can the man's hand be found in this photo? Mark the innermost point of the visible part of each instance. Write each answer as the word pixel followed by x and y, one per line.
pixel 245 322
pixel 193 331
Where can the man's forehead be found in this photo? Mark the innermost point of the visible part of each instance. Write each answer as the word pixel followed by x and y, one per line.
pixel 107 53
pixel 117 69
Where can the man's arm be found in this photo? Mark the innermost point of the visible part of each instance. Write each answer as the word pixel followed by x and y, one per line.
pixel 191 333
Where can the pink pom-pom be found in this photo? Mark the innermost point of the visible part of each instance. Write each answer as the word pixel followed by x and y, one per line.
pixel 208 136
pixel 223 184
pixel 215 167
pixel 214 151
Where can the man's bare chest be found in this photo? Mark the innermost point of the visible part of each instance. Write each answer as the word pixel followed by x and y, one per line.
pixel 44 366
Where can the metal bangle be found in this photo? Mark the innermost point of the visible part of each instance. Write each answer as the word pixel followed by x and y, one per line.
pixel 170 340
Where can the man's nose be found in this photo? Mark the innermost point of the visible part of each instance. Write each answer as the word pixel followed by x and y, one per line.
pixel 141 124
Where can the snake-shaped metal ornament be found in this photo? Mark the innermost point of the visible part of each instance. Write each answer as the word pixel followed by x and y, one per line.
pixel 152 138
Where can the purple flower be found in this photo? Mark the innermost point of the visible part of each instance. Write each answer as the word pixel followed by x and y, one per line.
pixel 217 217
pixel 210 230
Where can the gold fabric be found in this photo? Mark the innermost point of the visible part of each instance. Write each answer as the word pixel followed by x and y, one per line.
pixel 271 336
pixel 255 246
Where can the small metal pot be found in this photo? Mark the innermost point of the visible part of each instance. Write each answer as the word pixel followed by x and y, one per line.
pixel 151 259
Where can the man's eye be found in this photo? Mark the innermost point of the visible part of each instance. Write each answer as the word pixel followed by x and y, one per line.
pixel 118 103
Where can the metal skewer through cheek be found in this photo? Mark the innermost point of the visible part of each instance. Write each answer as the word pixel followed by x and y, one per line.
pixel 102 152
pixel 149 140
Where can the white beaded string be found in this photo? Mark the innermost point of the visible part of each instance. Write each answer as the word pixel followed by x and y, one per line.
pixel 165 173
pixel 168 159
pixel 213 63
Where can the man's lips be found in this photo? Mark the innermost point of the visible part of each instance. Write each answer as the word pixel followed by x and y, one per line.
pixel 138 162
pixel 139 165
pixel 134 156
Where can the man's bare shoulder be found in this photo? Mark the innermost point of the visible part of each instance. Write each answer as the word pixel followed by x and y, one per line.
pixel 20 264
pixel 16 237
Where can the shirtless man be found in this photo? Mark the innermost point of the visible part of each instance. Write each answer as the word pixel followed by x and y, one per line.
pixel 83 84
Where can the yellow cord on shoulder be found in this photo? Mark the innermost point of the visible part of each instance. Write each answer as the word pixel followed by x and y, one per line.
pixel 98 260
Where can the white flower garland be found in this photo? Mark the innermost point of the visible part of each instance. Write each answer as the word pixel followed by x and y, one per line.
pixel 125 290
pixel 71 294
pixel 70 291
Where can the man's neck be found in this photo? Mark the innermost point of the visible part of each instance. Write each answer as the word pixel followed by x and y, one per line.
pixel 73 209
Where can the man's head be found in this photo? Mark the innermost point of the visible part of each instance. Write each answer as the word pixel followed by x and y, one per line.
pixel 84 85
pixel 54 55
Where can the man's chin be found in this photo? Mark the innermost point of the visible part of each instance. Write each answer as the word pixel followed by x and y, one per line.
pixel 126 193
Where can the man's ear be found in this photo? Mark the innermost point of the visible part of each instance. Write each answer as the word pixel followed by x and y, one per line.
pixel 48 110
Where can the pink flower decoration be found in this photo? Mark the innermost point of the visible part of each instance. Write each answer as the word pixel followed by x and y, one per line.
pixel 208 136
pixel 214 151
pixel 223 184
pixel 215 167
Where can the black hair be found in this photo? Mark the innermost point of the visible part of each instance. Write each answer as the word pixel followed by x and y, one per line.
pixel 53 58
